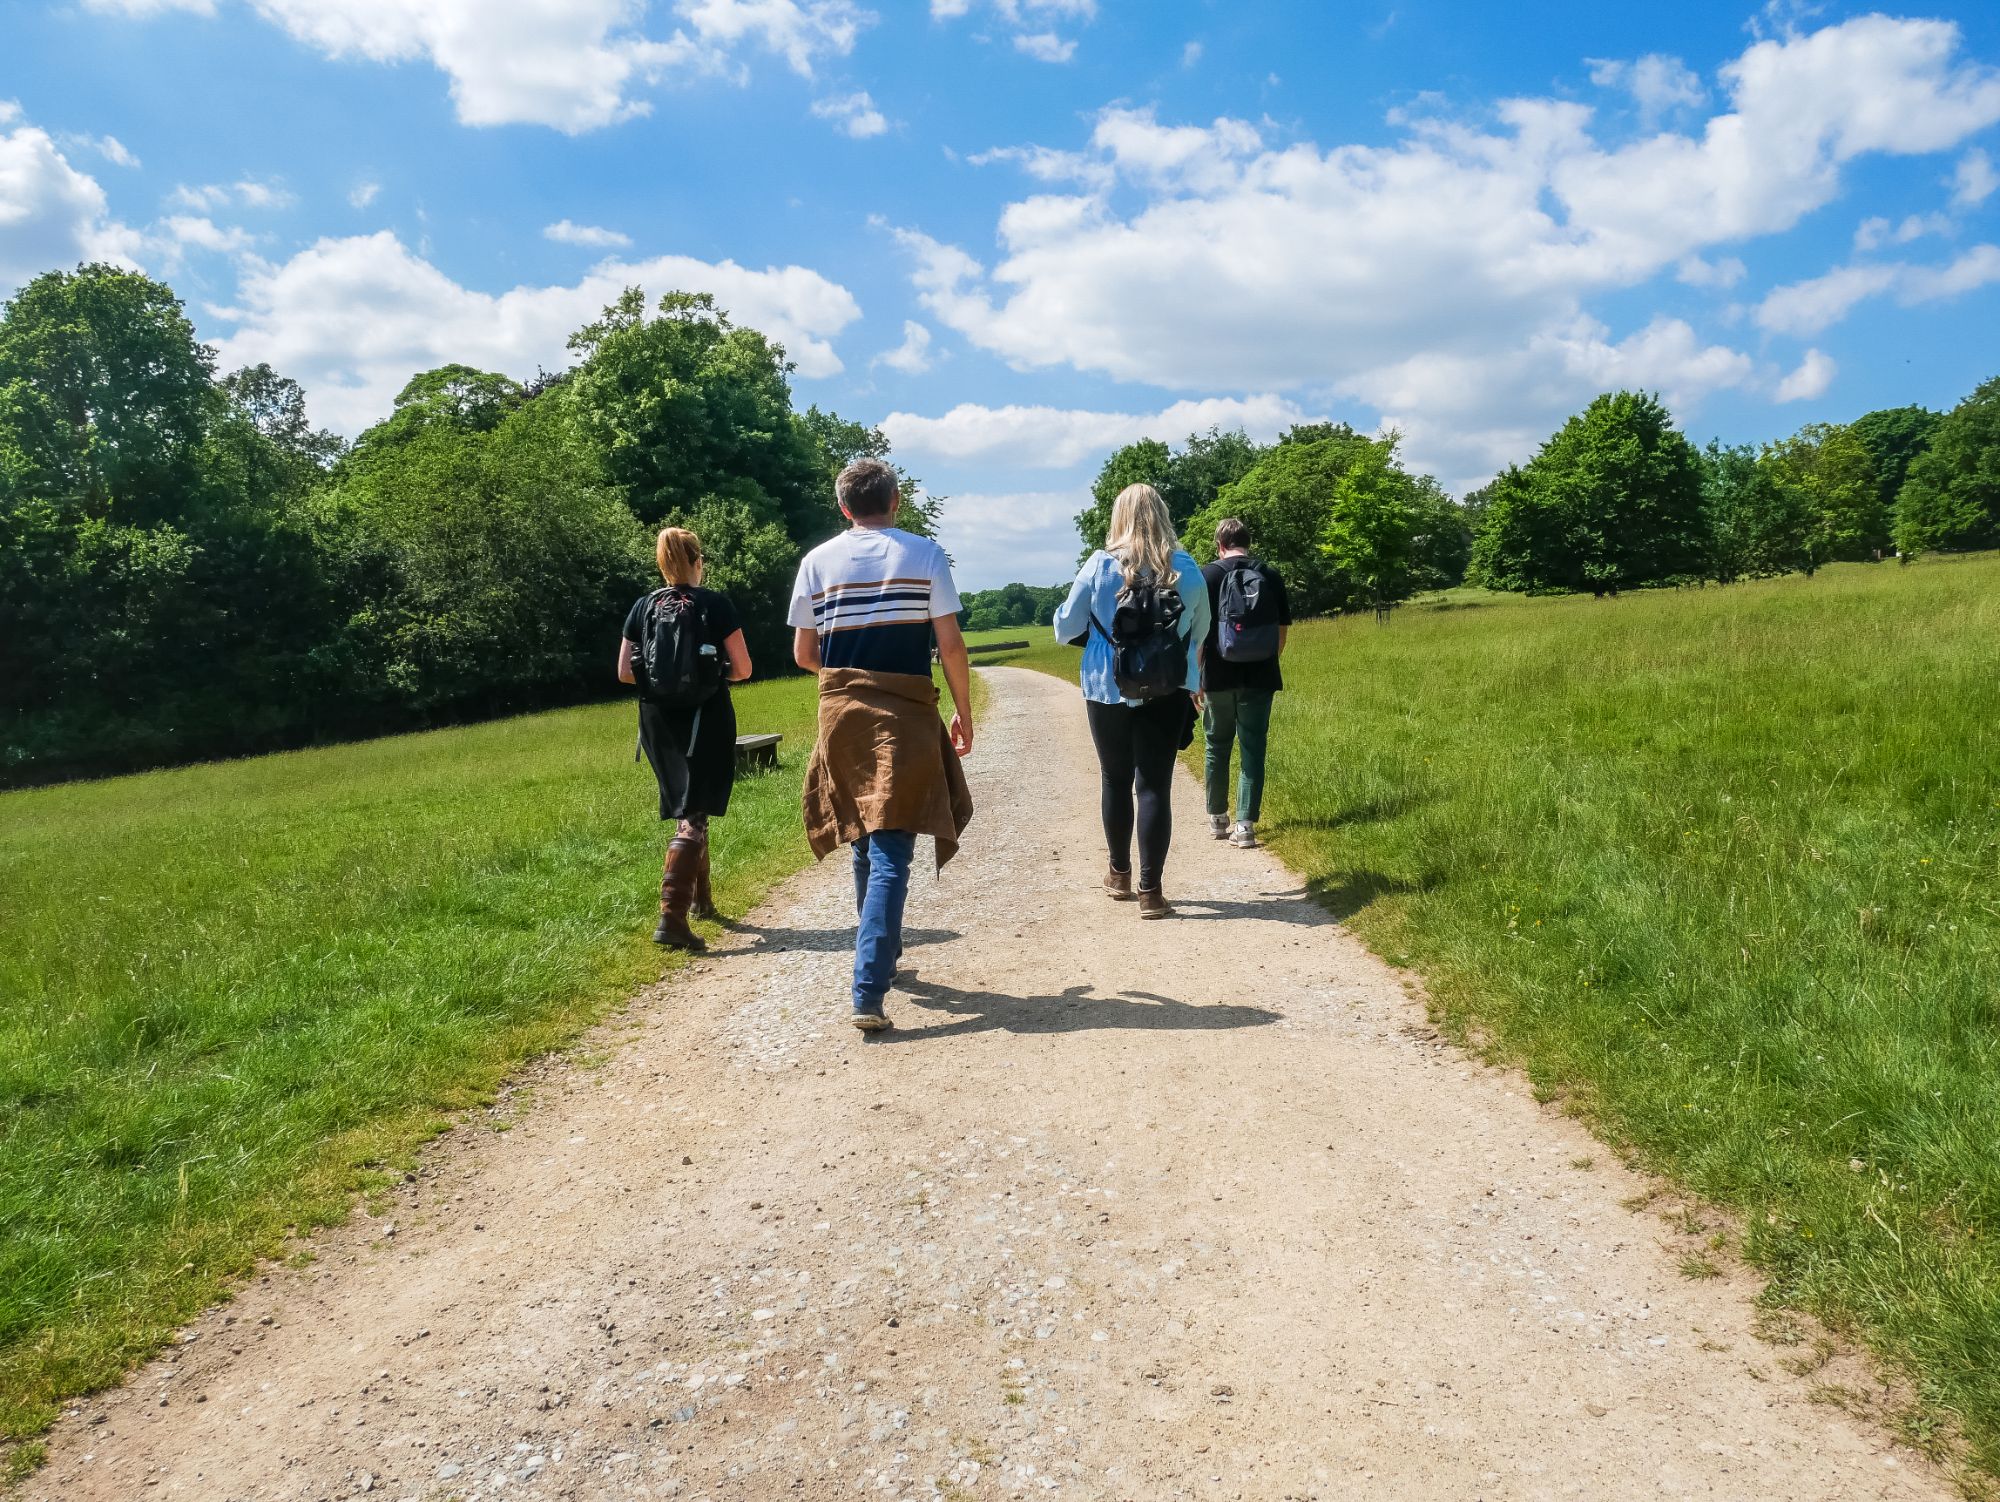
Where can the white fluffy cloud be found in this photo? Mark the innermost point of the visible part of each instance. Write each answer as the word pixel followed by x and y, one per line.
pixel 1810 381
pixel 1658 84
pixel 913 355
pixel 1032 24
pixel 996 539
pixel 1444 279
pixel 1974 180
pixel 206 198
pixel 51 215
pixel 853 113
pixel 1059 438
pixel 1046 46
pixel 1818 303
pixel 354 318
pixel 591 236
pixel 571 64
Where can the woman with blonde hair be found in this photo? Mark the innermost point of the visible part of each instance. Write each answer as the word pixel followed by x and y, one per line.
pixel 1138 606
pixel 683 648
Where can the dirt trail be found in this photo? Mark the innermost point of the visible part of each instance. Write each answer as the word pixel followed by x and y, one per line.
pixel 1195 1209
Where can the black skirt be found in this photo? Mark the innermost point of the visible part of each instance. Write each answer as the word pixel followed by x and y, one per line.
pixel 693 753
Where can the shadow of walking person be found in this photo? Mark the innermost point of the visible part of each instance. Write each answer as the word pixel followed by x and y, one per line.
pixel 1072 1010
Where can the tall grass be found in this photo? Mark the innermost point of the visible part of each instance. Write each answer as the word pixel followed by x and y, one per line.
pixel 229 994
pixel 1723 867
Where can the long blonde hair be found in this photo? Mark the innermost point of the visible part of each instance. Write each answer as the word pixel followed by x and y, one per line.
pixel 1142 533
pixel 679 554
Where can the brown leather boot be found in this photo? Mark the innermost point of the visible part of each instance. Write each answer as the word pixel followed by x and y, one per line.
pixel 1118 885
pixel 677 883
pixel 704 899
pixel 1153 904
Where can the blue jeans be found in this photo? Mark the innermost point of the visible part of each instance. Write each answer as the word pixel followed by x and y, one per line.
pixel 881 885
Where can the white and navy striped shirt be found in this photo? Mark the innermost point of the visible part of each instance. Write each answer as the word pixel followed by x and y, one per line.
pixel 871 593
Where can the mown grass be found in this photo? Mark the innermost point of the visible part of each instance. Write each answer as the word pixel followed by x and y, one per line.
pixel 1722 869
pixel 230 995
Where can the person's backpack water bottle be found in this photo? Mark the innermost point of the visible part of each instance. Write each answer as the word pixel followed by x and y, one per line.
pixel 1239 635
pixel 1148 651
pixel 675 668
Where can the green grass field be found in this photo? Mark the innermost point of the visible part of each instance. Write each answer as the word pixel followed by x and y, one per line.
pixel 1721 868
pixel 235 993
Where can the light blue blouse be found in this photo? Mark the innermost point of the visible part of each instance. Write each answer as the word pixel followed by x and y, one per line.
pixel 1096 589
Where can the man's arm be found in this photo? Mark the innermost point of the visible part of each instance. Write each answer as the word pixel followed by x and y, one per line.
pixel 805 648
pixel 957 677
pixel 625 673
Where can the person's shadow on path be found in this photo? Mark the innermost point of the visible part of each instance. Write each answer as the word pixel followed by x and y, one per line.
pixel 823 940
pixel 1073 1010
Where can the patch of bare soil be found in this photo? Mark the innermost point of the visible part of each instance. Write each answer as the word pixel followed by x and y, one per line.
pixel 1188 1209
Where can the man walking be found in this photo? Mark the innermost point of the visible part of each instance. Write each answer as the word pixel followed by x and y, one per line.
pixel 1249 621
pixel 865 611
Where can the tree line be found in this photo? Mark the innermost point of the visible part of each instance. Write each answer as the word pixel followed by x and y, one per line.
pixel 1617 498
pixel 188 568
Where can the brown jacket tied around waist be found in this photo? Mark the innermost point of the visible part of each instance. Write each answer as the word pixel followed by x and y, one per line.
pixel 883 761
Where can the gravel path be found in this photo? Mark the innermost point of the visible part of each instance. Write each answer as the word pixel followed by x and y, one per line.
pixel 1191 1209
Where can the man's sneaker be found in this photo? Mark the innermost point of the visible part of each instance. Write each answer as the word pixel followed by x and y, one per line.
pixel 1218 826
pixel 1244 835
pixel 869 1017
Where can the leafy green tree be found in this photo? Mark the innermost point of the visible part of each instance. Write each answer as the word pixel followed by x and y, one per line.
pixel 1187 480
pixel 840 443
pixel 1894 437
pixel 684 405
pixel 1824 470
pixel 1612 500
pixel 1370 529
pixel 1145 462
pixel 459 398
pixel 1952 496
pixel 502 565
pixel 108 394
pixel 753 562
pixel 1440 537
pixel 1756 527
pixel 1286 499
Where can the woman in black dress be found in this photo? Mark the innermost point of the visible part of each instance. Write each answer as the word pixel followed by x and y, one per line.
pixel 692 749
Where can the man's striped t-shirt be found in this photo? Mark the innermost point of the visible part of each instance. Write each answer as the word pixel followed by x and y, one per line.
pixel 871 594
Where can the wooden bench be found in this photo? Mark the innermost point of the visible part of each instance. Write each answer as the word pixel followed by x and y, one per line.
pixel 754 751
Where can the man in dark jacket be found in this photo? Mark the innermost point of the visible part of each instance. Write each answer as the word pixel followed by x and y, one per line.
pixel 1250 620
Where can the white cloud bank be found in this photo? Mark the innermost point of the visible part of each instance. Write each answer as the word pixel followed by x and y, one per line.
pixel 1445 279
pixel 1061 438
pixel 571 64
pixel 51 215
pixel 352 319
pixel 996 539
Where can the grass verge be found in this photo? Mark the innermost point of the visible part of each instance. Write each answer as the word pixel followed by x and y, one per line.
pixel 1718 868
pixel 237 993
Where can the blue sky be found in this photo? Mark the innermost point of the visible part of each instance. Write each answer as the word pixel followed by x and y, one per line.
pixel 1020 232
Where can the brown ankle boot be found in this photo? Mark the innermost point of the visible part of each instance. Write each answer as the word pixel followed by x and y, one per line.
pixel 677 883
pixel 1153 904
pixel 1118 885
pixel 704 899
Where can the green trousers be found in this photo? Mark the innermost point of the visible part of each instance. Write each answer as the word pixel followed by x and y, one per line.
pixel 1238 715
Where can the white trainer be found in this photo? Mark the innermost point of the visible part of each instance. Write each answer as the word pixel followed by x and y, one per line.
pixel 1218 826
pixel 1244 835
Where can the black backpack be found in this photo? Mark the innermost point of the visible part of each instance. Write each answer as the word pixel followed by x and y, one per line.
pixel 673 669
pixel 1148 652
pixel 1242 633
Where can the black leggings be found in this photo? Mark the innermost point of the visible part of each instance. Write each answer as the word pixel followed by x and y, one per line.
pixel 1138 744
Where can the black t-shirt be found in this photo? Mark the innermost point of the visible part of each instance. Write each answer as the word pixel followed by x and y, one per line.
pixel 719 621
pixel 1218 675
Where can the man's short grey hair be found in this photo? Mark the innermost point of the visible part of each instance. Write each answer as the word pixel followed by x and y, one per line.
pixel 867 487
